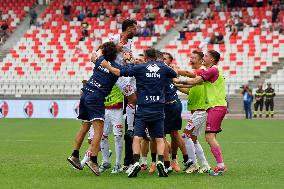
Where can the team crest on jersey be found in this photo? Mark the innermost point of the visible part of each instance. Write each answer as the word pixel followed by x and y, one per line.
pixel 76 108
pixel 28 109
pixel 4 109
pixel 53 109
pixel 153 69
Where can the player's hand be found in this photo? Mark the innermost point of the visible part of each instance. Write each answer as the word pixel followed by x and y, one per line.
pixel 95 55
pixel 105 64
pixel 127 57
pixel 176 80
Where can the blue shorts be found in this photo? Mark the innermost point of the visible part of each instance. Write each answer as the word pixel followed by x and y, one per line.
pixel 155 127
pixel 173 120
pixel 91 107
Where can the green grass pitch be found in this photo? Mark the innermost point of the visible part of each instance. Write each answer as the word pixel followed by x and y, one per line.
pixel 33 154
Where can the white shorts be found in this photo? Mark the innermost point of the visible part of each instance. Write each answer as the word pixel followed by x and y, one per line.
pixel 127 85
pixel 196 121
pixel 113 122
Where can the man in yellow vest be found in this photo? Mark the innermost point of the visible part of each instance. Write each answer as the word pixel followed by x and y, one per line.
pixel 197 105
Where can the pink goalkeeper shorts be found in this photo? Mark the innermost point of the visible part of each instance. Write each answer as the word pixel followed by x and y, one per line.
pixel 214 119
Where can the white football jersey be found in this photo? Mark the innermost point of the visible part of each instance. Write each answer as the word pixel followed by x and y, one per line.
pixel 126 47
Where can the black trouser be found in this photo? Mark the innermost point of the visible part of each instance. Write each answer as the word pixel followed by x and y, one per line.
pixel 269 107
pixel 258 104
pixel 128 138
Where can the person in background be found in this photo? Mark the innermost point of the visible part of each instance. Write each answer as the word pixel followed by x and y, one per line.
pixel 254 22
pixel 33 16
pixel 67 9
pixel 247 98
pixel 275 12
pixel 101 14
pixel 81 15
pixel 84 31
pixel 269 102
pixel 259 3
pixel 259 99
pixel 116 11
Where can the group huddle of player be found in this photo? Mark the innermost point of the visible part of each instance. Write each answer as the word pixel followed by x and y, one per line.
pixel 149 82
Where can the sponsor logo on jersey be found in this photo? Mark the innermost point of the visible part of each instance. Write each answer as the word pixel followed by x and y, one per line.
pixel 53 109
pixel 103 69
pixel 153 69
pixel 28 109
pixel 4 109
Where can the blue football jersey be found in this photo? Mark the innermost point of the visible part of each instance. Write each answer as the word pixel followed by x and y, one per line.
pixel 170 91
pixel 150 83
pixel 102 79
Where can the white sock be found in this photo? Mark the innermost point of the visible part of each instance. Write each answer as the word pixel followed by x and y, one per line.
pixel 221 164
pixel 144 160
pixel 130 112
pixel 86 158
pixel 190 148
pixel 200 153
pixel 118 148
pixel 105 149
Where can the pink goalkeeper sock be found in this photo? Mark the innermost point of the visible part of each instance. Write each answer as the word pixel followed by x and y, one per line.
pixel 216 151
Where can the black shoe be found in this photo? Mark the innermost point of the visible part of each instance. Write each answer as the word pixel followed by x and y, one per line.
pixel 187 164
pixel 161 169
pixel 94 167
pixel 75 162
pixel 134 170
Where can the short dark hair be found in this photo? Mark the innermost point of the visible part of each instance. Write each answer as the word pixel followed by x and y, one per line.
pixel 128 23
pixel 159 55
pixel 169 54
pixel 84 82
pixel 109 50
pixel 215 55
pixel 150 53
pixel 199 53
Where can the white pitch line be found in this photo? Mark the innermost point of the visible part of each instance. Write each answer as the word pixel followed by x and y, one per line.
pixel 21 140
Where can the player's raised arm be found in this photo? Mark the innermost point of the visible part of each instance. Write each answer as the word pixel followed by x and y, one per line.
pixel 95 55
pixel 127 70
pixel 112 69
pixel 190 82
pixel 186 73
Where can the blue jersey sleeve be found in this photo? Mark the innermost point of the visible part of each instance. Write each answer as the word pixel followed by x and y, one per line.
pixel 170 72
pixel 128 70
